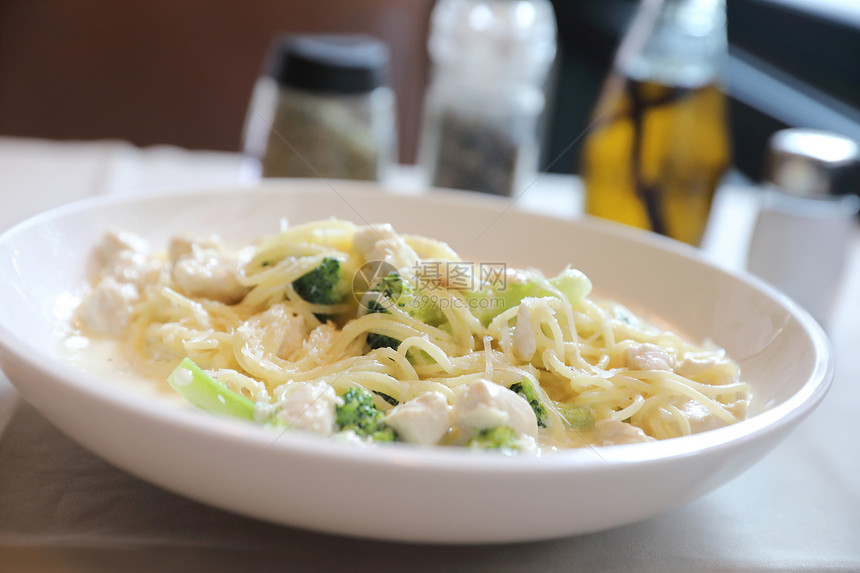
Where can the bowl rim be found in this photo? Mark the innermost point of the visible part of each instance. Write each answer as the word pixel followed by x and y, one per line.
pixel 448 460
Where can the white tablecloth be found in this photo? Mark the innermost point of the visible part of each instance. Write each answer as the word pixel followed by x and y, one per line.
pixel 63 509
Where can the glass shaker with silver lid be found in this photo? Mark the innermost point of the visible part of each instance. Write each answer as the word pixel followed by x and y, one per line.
pixel 807 216
pixel 484 106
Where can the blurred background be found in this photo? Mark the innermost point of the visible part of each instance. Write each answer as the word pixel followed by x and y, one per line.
pixel 182 73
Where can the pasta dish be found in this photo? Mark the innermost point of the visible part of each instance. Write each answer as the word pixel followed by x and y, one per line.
pixel 365 335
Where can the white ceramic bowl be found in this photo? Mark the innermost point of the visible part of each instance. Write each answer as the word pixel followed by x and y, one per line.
pixel 400 492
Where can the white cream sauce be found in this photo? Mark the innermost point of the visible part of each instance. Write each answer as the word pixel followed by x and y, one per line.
pixel 106 360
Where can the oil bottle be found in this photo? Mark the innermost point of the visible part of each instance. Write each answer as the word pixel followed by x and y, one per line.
pixel 658 143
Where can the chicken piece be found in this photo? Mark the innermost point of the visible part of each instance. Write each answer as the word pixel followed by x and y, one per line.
pixel 109 307
pixel 423 420
pixel 132 267
pixel 524 341
pixel 614 433
pixel 210 273
pixel 310 407
pixel 740 408
pixel 294 334
pixel 647 356
pixel 694 366
pixel 115 242
pixel 185 244
pixel 124 256
pixel 485 405
pixel 701 419
pixel 713 369
pixel 382 243
pixel 319 341
pixel 699 416
pixel 278 330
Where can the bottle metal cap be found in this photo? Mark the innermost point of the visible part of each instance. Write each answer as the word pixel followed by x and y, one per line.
pixel 813 163
pixel 490 37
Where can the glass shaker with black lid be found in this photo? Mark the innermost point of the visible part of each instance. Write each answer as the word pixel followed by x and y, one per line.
pixel 323 109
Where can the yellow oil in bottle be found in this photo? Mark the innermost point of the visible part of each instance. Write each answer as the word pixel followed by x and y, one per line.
pixel 655 155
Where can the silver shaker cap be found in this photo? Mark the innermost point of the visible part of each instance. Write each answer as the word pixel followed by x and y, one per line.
pixel 811 163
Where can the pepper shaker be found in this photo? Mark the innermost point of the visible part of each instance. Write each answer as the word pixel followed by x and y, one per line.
pixel 323 108
pixel 483 108
pixel 807 216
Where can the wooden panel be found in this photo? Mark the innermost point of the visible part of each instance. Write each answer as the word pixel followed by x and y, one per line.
pixel 161 71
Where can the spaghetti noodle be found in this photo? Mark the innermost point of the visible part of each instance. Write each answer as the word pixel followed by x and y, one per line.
pixel 448 351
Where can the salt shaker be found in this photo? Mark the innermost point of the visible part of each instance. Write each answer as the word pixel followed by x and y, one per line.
pixel 807 217
pixel 323 109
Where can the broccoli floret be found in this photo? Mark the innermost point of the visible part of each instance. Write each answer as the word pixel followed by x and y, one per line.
pixel 415 300
pixel 526 389
pixel 492 300
pixel 207 393
pixel 374 339
pixel 503 438
pixel 578 417
pixel 321 285
pixel 360 415
pixel 391 287
pixel 390 399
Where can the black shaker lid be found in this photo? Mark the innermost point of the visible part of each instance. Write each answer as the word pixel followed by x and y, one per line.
pixel 344 64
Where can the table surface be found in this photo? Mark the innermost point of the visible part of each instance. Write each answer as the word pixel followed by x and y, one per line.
pixel 64 509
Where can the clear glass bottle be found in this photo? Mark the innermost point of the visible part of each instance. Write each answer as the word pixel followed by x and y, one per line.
pixel 486 98
pixel 323 109
pixel 659 143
